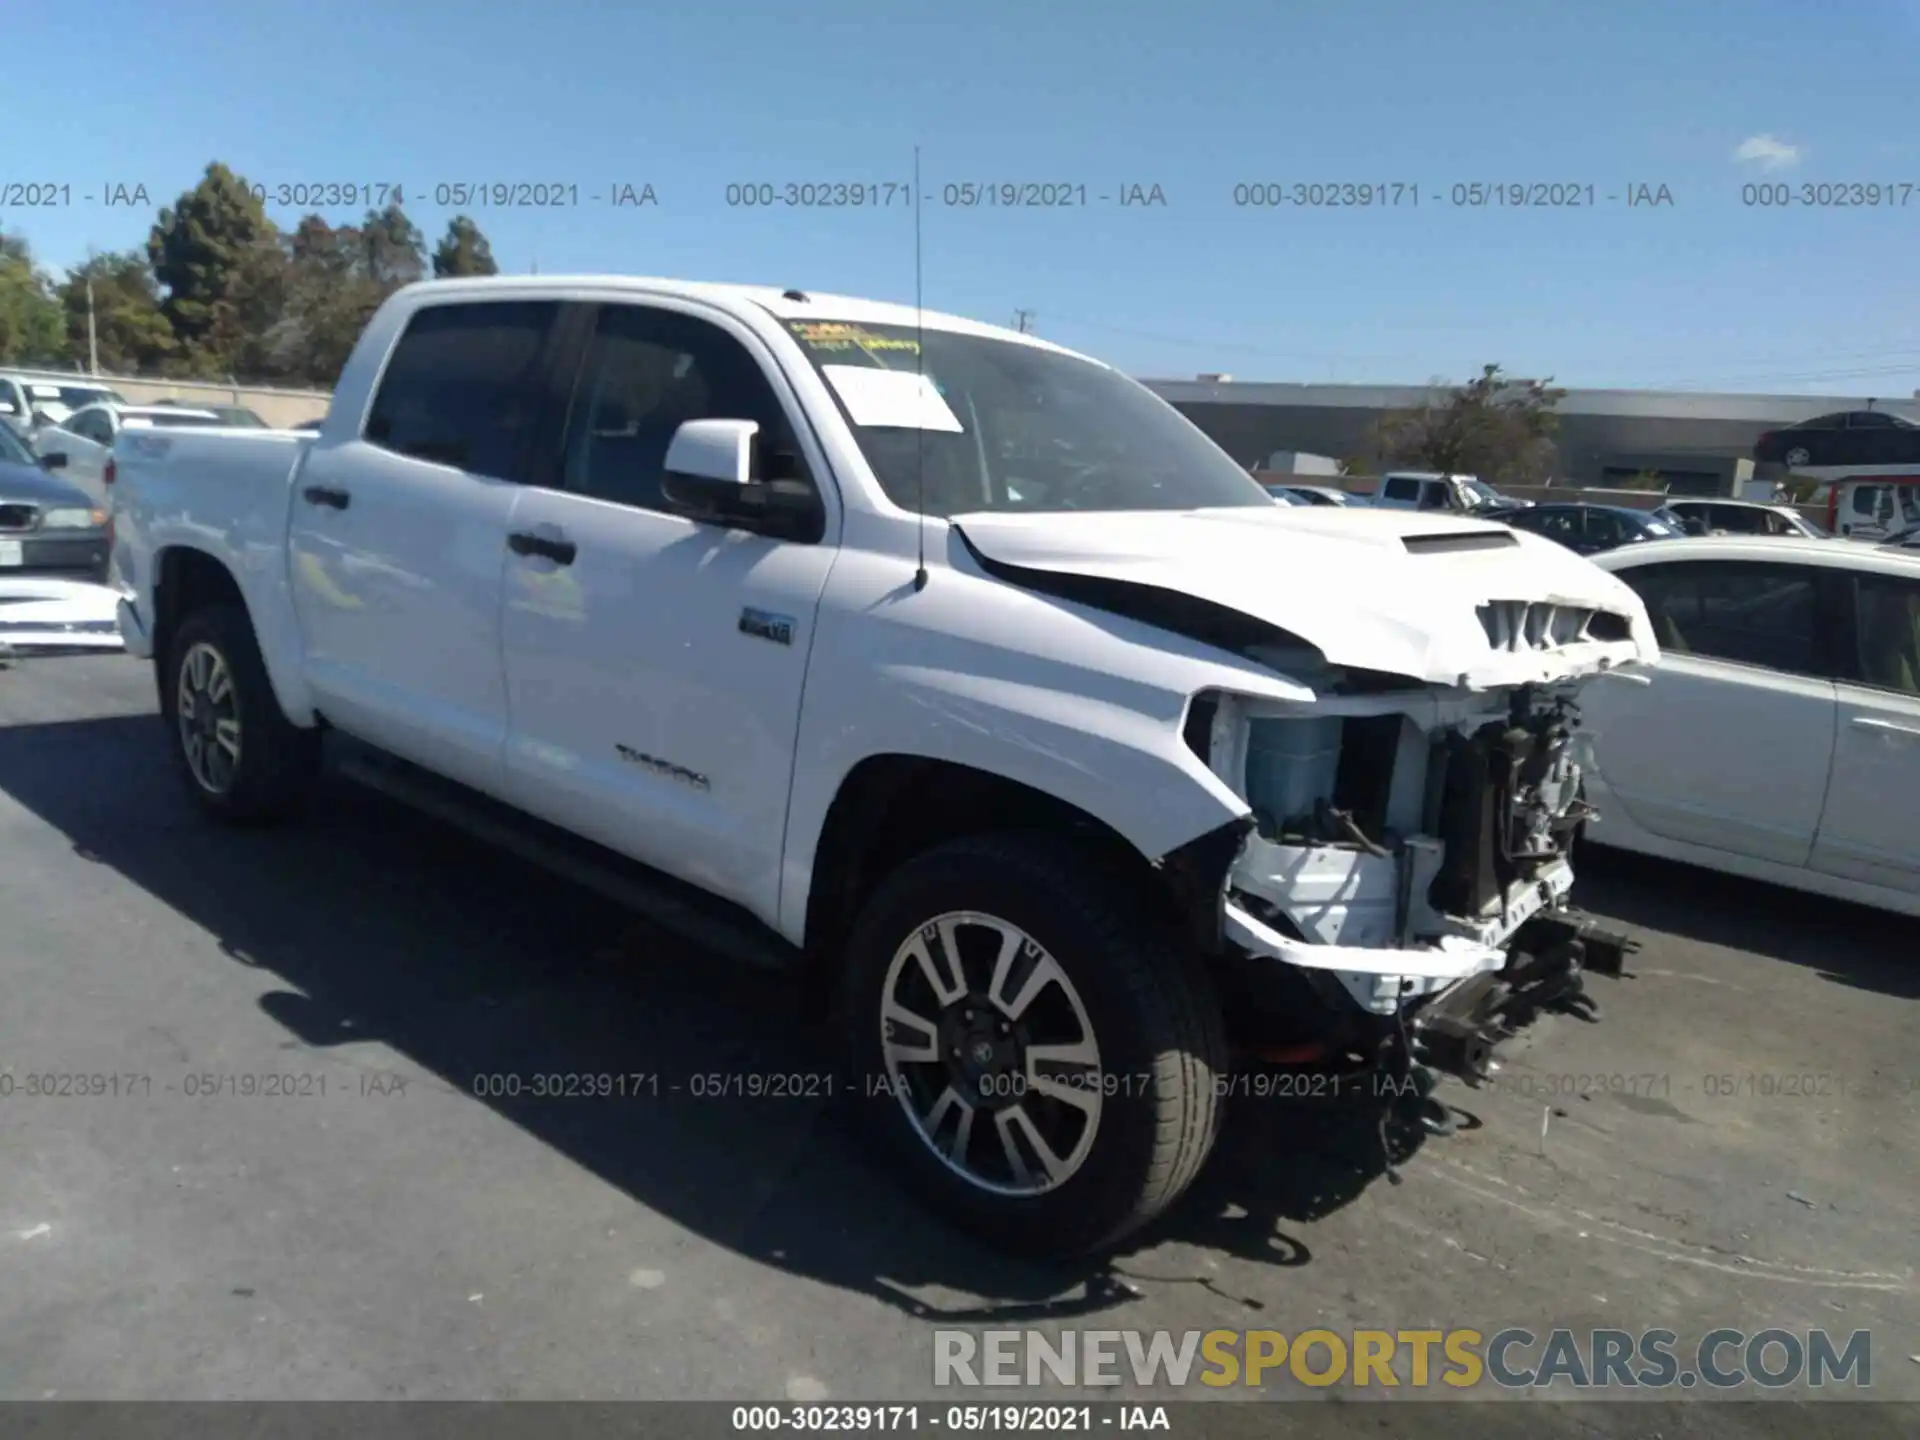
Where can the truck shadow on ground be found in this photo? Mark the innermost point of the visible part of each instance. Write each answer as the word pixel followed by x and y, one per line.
pixel 371 923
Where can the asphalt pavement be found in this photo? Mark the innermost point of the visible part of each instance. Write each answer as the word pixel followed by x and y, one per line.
pixel 300 1181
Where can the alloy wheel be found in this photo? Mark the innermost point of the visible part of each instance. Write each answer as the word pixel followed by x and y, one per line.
pixel 206 708
pixel 989 1049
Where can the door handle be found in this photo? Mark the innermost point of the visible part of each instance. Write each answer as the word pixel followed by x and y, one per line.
pixel 1886 727
pixel 561 552
pixel 328 496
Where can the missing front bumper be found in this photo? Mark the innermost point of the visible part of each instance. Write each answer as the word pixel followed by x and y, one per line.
pixel 1459 1029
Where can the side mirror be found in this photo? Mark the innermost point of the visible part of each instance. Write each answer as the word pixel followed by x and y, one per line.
pixel 712 473
pixel 56 461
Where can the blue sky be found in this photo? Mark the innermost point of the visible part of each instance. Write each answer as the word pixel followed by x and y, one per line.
pixel 1197 98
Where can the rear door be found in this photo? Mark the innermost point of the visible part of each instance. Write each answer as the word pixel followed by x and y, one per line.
pixel 398 541
pixel 86 439
pixel 1870 829
pixel 1729 742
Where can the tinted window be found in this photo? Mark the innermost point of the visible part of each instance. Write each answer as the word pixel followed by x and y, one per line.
pixel 1755 613
pixel 91 425
pixel 1888 613
pixel 1871 420
pixel 1737 520
pixel 1864 497
pixel 1606 528
pixel 458 389
pixel 646 373
pixel 1555 524
pixel 1397 489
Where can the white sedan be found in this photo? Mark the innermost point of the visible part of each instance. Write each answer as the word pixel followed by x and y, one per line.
pixel 1779 737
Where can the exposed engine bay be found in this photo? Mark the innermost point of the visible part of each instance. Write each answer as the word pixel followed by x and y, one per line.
pixel 1409 859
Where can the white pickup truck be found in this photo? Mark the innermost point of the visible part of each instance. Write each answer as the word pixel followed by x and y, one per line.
pixel 954 668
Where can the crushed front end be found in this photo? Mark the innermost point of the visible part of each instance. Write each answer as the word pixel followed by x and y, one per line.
pixel 1402 890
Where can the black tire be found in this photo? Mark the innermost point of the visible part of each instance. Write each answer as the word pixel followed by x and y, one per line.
pixel 277 761
pixel 1152 1010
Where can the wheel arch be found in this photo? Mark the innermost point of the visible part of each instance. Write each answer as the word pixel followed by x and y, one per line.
pixel 891 807
pixel 187 578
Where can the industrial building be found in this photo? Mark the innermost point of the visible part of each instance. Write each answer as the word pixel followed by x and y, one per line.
pixel 1698 443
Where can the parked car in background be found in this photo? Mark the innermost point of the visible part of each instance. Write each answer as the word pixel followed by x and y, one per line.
pixel 26 402
pixel 237 416
pixel 1589 529
pixel 1429 490
pixel 1908 539
pixel 48 526
pixel 85 438
pixel 1779 737
pixel 1873 507
pixel 1323 495
pixel 1843 439
pixel 1282 496
pixel 1738 517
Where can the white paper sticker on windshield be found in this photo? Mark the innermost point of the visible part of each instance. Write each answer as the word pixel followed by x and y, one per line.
pixel 893 399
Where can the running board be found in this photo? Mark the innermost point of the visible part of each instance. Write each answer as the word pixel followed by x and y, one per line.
pixel 671 904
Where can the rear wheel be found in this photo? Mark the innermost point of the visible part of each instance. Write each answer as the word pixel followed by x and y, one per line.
pixel 241 758
pixel 1036 1054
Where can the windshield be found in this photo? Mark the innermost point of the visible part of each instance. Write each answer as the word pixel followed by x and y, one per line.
pixel 12 451
pixel 1002 425
pixel 1661 525
pixel 1482 493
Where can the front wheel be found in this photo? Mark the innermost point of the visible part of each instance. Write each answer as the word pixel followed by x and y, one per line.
pixel 1037 1054
pixel 241 758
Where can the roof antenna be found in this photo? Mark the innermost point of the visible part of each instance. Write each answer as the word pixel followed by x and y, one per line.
pixel 920 380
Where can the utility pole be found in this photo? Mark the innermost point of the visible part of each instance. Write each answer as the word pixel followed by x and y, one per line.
pixel 93 336
pixel 1023 321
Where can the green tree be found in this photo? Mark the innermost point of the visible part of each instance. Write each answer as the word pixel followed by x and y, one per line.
pixel 393 251
pixel 463 250
pixel 215 253
pixel 327 300
pixel 132 335
pixel 1496 428
pixel 31 332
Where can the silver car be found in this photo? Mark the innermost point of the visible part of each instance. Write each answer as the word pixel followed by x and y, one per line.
pixel 86 437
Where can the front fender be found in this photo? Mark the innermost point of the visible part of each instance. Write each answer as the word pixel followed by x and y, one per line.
pixel 1084 707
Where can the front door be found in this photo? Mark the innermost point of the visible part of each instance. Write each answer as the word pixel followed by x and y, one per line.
pixel 398 540
pixel 1871 827
pixel 655 663
pixel 1727 743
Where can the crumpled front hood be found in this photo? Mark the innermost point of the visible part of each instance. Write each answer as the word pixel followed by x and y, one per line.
pixel 1393 591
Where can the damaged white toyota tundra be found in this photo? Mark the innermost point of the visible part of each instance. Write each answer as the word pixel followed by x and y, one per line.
pixel 951 669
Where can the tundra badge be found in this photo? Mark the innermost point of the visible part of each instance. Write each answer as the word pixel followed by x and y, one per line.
pixel 767 625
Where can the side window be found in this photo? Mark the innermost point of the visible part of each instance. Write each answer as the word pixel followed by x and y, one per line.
pixel 1760 614
pixel 1561 525
pixel 458 388
pixel 1864 498
pixel 9 399
pixel 91 425
pixel 1603 527
pixel 1887 620
pixel 1434 495
pixel 1397 488
pixel 646 373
